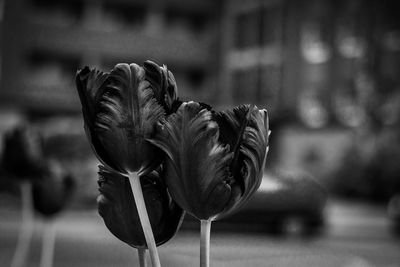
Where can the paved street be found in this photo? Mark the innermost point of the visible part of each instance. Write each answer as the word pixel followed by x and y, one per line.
pixel 356 235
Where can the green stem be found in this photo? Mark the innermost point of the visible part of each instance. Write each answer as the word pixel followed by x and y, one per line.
pixel 144 218
pixel 142 252
pixel 205 230
pixel 25 234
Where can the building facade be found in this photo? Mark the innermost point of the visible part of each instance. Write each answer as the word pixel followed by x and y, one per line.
pixel 47 41
pixel 305 58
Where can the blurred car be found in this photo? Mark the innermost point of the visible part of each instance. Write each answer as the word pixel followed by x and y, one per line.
pixel 283 203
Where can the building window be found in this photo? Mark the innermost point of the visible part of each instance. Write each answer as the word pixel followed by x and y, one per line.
pixel 196 78
pixel 271 77
pixel 271 27
pixel 119 16
pixel 246 84
pixel 50 69
pixel 195 22
pixel 248 29
pixel 258 27
pixel 258 84
pixel 60 13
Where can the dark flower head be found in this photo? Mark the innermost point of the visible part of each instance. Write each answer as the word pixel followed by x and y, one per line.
pixel 120 111
pixel 164 83
pixel 22 153
pixel 54 190
pixel 117 207
pixel 214 161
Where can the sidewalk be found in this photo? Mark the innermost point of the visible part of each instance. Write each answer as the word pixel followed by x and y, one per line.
pixel 357 235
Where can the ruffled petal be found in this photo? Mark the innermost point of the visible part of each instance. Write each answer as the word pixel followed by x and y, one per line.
pixel 196 168
pixel 126 115
pixel 163 83
pixel 245 129
pixel 90 84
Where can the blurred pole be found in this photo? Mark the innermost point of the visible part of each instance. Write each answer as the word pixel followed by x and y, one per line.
pixel 25 234
pixel 48 241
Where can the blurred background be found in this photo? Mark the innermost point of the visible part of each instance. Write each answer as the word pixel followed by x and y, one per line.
pixel 326 70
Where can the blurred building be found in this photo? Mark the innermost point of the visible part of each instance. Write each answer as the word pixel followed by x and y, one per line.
pixel 329 66
pixel 325 67
pixel 48 40
pixel 318 60
pixel 304 58
pixel 252 42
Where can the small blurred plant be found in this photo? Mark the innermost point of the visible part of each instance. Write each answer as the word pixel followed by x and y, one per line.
pixel 45 187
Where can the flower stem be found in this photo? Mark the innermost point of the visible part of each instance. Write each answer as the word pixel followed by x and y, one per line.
pixel 25 234
pixel 144 218
pixel 142 252
pixel 49 237
pixel 205 230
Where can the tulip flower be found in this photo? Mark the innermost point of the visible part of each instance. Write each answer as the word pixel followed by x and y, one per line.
pixel 120 110
pixel 45 187
pixel 53 191
pixel 22 160
pixel 214 161
pixel 50 195
pixel 120 215
pixel 22 153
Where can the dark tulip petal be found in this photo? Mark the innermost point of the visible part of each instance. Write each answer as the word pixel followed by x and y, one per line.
pixel 230 124
pixel 90 84
pixel 163 83
pixel 53 191
pixel 172 89
pixel 126 116
pixel 22 153
pixel 117 207
pixel 253 149
pixel 177 103
pixel 196 168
